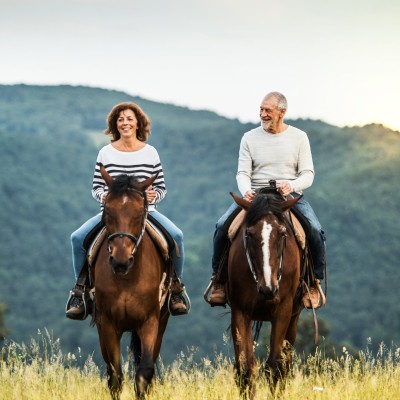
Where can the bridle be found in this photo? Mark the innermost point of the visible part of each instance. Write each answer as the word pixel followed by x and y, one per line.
pixel 250 262
pixel 135 239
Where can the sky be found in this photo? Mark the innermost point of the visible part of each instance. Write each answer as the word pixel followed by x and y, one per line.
pixel 337 61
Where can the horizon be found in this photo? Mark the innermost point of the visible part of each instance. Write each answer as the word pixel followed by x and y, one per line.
pixel 200 109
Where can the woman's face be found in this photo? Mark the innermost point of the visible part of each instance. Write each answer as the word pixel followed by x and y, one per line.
pixel 127 123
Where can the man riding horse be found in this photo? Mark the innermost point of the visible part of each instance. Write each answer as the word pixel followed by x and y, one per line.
pixel 280 152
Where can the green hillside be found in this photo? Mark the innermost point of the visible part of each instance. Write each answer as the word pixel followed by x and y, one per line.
pixel 49 139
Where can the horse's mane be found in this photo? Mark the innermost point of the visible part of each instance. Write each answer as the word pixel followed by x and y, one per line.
pixel 122 185
pixel 261 205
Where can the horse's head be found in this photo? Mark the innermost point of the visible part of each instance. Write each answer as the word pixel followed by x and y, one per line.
pixel 264 238
pixel 124 215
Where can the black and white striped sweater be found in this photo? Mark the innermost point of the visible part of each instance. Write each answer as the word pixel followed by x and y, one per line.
pixel 143 163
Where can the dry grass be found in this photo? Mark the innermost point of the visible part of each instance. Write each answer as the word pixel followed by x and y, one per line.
pixel 40 371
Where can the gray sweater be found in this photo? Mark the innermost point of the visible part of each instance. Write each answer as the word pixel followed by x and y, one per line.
pixel 284 156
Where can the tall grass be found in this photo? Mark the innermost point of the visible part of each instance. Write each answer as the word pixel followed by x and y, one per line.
pixel 39 370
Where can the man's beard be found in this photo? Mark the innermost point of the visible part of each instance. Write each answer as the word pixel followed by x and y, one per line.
pixel 267 124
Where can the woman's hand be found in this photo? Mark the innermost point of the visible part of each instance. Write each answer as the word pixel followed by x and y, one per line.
pixel 103 197
pixel 151 194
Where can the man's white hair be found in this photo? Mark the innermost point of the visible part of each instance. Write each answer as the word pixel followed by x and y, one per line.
pixel 280 99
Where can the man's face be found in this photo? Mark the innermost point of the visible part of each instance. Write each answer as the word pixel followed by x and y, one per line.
pixel 270 115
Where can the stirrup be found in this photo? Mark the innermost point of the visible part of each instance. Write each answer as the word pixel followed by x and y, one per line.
pixel 79 292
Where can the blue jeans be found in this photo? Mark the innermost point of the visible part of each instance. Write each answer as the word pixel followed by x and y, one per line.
pixel 316 238
pixel 77 239
pixel 177 235
pixel 79 252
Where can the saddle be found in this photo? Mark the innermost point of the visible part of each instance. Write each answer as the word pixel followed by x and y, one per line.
pixel 301 229
pixel 298 228
pixel 161 238
pixel 93 241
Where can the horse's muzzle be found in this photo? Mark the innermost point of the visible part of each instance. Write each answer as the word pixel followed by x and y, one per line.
pixel 121 268
pixel 267 292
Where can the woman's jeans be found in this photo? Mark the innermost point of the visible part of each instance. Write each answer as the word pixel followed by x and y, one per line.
pixel 316 238
pixel 79 252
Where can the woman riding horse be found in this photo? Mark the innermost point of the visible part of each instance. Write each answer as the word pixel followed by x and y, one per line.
pixel 128 153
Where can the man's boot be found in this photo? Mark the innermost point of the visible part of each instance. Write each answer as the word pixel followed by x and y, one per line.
pixel 218 295
pixel 316 298
pixel 177 303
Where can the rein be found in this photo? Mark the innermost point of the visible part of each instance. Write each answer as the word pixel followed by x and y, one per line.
pixel 135 239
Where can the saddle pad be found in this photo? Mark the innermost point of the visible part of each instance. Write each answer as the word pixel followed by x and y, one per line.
pixel 236 224
pixel 95 246
pixel 298 229
pixel 158 238
pixel 152 230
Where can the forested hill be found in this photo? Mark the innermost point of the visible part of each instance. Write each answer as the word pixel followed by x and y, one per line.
pixel 50 137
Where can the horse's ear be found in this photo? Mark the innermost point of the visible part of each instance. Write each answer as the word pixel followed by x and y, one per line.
pixel 147 182
pixel 240 201
pixel 285 205
pixel 106 176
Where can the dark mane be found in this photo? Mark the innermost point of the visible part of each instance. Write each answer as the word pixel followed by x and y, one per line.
pixel 261 205
pixel 122 185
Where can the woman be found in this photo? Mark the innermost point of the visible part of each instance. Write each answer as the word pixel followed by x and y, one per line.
pixel 128 153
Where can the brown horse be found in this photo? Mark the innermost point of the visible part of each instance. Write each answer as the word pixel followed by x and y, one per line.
pixel 264 272
pixel 129 274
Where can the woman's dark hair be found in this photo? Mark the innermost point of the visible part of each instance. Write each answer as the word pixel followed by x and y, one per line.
pixel 143 127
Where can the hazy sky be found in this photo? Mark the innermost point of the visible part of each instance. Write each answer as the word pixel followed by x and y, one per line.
pixel 338 61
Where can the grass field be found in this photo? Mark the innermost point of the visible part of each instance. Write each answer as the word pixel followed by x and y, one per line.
pixel 39 370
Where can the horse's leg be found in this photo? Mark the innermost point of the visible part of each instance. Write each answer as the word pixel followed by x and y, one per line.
pixel 145 371
pixel 275 367
pixel 244 352
pixel 162 325
pixel 290 339
pixel 111 351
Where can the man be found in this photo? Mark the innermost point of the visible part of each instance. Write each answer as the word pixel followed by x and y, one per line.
pixel 277 151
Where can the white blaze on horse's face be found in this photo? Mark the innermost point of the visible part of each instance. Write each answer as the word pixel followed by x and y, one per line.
pixel 265 234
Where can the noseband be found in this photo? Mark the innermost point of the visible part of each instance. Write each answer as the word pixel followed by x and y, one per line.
pixel 249 261
pixel 135 239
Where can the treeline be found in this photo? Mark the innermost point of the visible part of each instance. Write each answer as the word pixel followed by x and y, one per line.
pixel 50 137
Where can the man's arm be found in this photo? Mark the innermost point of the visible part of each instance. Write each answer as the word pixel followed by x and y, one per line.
pixel 245 164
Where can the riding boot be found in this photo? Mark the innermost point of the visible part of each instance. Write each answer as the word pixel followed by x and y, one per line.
pixel 315 298
pixel 218 295
pixel 178 303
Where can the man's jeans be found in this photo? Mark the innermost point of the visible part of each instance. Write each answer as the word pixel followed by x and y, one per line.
pixel 78 237
pixel 316 238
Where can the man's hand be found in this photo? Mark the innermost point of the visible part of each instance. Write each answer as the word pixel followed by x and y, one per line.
pixel 249 195
pixel 285 188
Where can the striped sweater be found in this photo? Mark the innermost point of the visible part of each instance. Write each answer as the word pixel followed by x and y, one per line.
pixel 143 163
